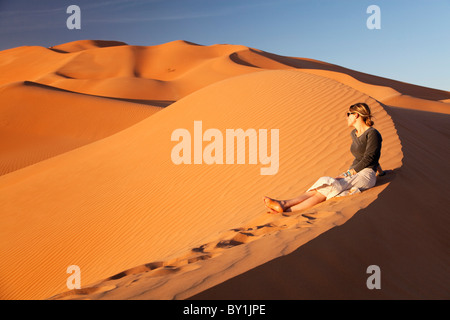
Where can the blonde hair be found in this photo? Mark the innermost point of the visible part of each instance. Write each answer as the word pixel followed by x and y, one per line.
pixel 363 110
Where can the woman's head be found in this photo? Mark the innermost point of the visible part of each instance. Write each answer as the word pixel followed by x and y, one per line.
pixel 360 110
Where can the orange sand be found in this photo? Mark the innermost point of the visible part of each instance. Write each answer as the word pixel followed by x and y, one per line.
pixel 88 180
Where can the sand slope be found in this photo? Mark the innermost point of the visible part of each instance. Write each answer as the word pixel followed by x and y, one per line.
pixel 404 232
pixel 103 193
pixel 231 210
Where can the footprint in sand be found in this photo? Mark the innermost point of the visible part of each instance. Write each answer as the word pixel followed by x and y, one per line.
pixel 260 227
pixel 79 293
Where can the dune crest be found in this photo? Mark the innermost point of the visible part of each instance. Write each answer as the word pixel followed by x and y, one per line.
pixel 81 45
pixel 175 69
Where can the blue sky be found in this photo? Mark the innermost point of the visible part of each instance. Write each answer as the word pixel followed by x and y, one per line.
pixel 413 44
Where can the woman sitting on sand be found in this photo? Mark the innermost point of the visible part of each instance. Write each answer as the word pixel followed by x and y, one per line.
pixel 366 148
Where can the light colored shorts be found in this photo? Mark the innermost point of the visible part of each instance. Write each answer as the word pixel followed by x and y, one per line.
pixel 331 187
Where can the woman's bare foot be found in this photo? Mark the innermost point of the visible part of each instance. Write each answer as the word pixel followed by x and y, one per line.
pixel 269 210
pixel 273 205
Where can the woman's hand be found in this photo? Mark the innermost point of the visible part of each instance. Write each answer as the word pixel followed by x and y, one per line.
pixel 380 171
pixel 345 175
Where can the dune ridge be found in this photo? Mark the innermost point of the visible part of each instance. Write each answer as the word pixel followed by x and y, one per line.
pixel 102 192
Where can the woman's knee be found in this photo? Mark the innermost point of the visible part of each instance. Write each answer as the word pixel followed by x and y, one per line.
pixel 320 197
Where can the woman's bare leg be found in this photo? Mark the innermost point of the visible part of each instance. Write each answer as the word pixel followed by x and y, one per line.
pixel 310 202
pixel 283 205
pixel 292 202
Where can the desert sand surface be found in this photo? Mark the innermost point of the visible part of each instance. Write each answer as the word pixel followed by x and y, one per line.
pixel 87 177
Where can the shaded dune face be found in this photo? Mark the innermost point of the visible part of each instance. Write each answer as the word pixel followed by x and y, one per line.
pixel 88 178
pixel 39 121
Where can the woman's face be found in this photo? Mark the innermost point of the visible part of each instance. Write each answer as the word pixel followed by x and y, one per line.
pixel 351 118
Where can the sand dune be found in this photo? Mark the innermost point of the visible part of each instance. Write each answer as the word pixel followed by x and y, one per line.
pixel 39 122
pixel 279 99
pixel 88 180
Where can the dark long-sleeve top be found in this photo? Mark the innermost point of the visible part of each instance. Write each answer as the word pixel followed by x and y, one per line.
pixel 366 149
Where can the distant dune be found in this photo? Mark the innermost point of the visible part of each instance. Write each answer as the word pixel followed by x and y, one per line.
pixel 87 177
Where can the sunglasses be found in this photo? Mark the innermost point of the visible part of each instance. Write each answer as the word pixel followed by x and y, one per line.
pixel 349 113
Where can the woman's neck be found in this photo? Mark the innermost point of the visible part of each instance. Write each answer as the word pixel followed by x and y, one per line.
pixel 360 128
